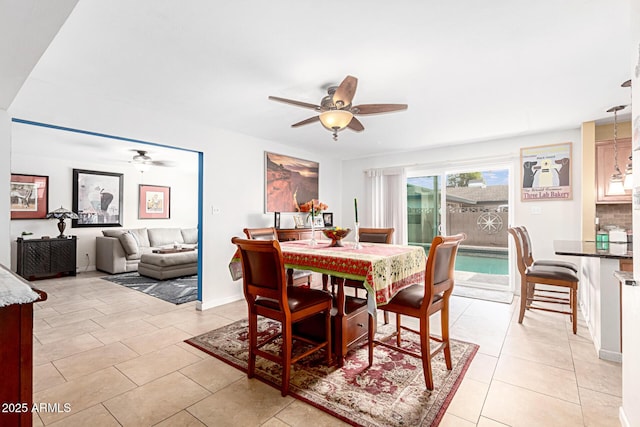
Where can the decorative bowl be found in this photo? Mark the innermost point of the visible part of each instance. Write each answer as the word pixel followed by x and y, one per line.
pixel 336 235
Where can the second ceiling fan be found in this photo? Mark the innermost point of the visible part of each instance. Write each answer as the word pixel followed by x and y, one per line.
pixel 336 109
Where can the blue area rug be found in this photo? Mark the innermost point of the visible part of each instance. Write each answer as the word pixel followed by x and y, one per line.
pixel 175 291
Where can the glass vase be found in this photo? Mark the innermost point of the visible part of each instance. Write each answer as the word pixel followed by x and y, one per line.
pixel 357 236
pixel 313 241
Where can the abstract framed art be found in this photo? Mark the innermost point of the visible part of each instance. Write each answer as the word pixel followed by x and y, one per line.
pixel 97 198
pixel 289 182
pixel 154 202
pixel 29 196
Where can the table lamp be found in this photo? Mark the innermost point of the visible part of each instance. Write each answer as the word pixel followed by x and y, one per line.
pixel 61 214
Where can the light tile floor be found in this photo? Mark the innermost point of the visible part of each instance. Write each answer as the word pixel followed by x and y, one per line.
pixel 117 357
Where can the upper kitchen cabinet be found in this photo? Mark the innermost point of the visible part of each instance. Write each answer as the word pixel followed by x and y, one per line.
pixel 605 167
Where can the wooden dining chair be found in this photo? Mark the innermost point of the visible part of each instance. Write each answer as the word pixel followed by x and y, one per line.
pixel 528 254
pixel 422 300
pixel 268 295
pixel 554 276
pixel 294 277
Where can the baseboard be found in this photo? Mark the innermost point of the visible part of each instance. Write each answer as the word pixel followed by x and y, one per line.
pixel 205 305
pixel 623 418
pixel 612 356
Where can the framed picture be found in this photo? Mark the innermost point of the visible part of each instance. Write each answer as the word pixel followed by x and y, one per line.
pixel 276 220
pixel 289 182
pixel 97 198
pixel 299 221
pixel 546 172
pixel 154 202
pixel 29 196
pixel 317 221
pixel 327 217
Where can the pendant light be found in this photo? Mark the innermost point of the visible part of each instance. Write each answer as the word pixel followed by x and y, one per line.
pixel 616 186
pixel 628 172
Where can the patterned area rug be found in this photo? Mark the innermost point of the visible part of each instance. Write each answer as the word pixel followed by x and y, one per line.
pixel 390 393
pixel 175 291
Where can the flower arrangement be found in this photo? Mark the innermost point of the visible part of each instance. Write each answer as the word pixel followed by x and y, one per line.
pixel 318 207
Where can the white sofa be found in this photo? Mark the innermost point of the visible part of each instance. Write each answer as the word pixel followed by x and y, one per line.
pixel 119 250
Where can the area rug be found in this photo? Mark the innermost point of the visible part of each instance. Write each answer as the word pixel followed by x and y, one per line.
pixel 175 291
pixel 390 393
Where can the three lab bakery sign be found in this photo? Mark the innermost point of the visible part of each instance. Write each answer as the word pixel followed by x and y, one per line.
pixel 546 172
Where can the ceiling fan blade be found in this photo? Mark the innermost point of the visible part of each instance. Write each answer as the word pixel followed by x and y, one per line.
pixel 345 92
pixel 165 163
pixel 297 103
pixel 306 122
pixel 377 108
pixel 355 125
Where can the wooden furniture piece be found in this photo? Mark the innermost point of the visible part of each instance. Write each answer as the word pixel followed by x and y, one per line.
pixel 556 276
pixel 386 269
pixel 294 277
pixel 267 294
pixel 44 258
pixel 422 300
pixel 289 234
pixel 605 168
pixel 528 254
pixel 16 357
pixel 172 250
pixel 371 235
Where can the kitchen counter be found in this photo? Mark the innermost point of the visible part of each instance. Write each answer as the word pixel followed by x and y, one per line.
pixel 599 290
pixel 593 249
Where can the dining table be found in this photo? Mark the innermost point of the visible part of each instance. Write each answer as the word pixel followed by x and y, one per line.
pixel 384 270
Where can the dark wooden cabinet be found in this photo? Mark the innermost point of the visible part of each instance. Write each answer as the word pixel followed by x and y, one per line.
pixel 288 234
pixel 605 167
pixel 44 258
pixel 16 367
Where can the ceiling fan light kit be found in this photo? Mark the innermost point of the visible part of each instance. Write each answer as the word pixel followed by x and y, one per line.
pixel 336 109
pixel 335 120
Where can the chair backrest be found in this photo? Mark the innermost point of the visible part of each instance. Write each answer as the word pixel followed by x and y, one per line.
pixel 268 233
pixel 519 240
pixel 439 276
pixel 527 249
pixel 263 271
pixel 376 235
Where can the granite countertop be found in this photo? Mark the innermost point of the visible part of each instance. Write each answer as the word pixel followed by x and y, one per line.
pixel 593 249
pixel 14 290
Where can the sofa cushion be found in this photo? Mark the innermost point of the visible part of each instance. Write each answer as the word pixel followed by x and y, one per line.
pixel 159 237
pixel 129 243
pixel 140 234
pixel 190 235
pixel 112 232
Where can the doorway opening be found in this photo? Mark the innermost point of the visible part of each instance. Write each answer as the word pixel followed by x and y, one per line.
pixel 475 202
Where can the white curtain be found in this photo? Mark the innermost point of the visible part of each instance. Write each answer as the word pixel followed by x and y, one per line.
pixel 386 191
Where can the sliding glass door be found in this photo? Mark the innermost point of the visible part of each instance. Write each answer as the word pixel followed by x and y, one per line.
pixel 475 202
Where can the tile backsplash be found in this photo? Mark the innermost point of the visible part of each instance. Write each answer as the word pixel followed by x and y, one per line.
pixel 615 214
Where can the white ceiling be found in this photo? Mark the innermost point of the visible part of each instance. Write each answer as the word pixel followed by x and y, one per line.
pixel 468 70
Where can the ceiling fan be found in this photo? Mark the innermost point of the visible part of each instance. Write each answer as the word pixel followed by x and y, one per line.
pixel 336 110
pixel 143 162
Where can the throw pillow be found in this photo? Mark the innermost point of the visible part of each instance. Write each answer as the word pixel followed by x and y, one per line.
pixel 129 243
pixel 190 235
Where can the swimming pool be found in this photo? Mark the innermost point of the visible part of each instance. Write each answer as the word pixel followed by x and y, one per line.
pixel 480 260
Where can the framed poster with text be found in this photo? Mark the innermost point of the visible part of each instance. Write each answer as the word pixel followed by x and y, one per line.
pixel 546 172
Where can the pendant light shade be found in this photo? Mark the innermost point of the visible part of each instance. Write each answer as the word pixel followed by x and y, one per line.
pixel 616 182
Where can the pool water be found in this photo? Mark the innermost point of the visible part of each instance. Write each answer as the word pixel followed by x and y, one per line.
pixel 487 261
pixel 482 264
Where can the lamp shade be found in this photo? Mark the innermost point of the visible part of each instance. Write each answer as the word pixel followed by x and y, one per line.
pixel 616 186
pixel 62 213
pixel 335 120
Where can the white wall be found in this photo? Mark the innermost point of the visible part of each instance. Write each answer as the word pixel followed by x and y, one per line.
pixel 32 139
pixel 233 190
pixel 5 168
pixel 546 220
